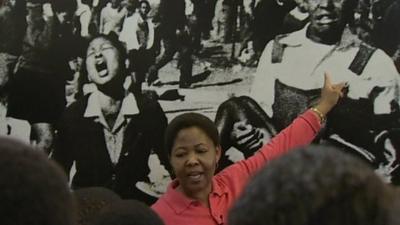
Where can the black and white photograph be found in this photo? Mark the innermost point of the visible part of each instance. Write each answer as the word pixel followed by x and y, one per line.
pixel 93 84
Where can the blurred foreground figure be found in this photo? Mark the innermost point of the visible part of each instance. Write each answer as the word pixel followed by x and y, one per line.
pixel 34 190
pixel 91 201
pixel 316 185
pixel 128 212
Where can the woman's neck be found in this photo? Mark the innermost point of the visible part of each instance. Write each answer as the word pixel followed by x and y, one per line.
pixel 327 38
pixel 143 16
pixel 110 108
pixel 202 196
pixel 109 105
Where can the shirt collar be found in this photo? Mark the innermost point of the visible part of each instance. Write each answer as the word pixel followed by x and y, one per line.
pixel 179 202
pixel 93 110
pixel 217 189
pixel 129 106
pixel 294 39
pixel 299 38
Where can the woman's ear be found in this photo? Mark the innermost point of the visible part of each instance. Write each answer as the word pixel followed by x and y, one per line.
pixel 171 170
pixel 218 152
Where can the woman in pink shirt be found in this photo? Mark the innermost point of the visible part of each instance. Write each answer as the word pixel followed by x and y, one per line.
pixel 197 196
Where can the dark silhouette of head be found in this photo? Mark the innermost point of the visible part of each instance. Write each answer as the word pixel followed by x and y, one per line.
pixel 90 202
pixel 316 185
pixel 128 212
pixel 34 190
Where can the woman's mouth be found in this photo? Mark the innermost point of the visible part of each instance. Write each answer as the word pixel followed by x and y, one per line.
pixel 101 68
pixel 195 176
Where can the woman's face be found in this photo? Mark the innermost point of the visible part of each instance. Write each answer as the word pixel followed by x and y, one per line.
pixel 194 158
pixel 131 5
pixel 115 3
pixel 102 61
pixel 327 16
pixel 144 9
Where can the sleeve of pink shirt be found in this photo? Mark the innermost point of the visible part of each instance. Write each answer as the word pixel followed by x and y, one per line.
pixel 301 132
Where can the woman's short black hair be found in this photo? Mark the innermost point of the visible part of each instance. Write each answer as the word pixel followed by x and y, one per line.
pixel 188 120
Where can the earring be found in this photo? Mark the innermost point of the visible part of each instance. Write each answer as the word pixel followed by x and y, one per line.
pixel 279 2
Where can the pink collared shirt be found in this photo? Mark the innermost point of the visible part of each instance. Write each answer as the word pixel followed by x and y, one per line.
pixel 177 209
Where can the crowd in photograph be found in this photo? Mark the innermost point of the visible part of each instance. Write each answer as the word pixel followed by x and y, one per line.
pixel 82 121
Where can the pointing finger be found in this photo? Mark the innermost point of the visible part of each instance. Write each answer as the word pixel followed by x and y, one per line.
pixel 327 80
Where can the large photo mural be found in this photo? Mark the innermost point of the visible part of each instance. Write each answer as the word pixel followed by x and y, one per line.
pixel 94 83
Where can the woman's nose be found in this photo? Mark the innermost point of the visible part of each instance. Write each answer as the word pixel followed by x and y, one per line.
pixel 98 53
pixel 192 159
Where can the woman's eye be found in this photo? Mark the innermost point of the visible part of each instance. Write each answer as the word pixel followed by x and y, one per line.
pixel 106 47
pixel 180 155
pixel 90 53
pixel 202 150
